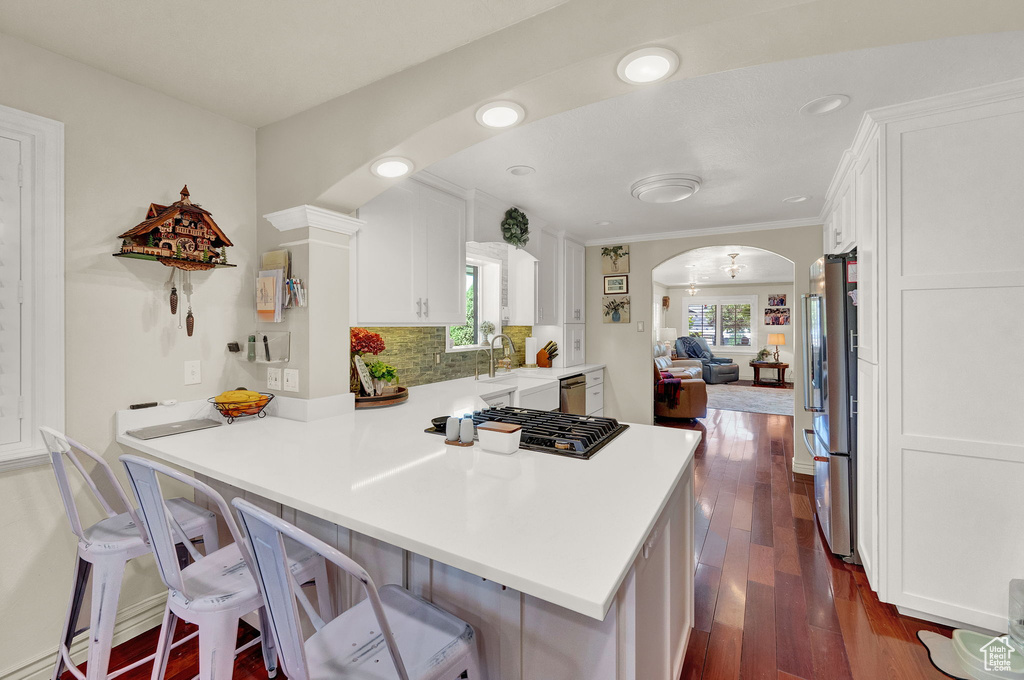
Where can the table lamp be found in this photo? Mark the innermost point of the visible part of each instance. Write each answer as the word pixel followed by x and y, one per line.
pixel 667 335
pixel 776 339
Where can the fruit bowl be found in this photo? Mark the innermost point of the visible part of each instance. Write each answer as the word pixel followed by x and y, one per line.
pixel 240 403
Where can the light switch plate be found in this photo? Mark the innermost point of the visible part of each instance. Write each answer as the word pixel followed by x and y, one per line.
pixel 193 372
pixel 273 378
pixel 639 326
pixel 291 380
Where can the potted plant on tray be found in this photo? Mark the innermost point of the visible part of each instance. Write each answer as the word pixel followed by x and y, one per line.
pixel 362 342
pixel 383 375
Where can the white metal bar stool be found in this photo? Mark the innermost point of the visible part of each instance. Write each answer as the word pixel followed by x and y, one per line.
pixel 391 634
pixel 215 591
pixel 104 549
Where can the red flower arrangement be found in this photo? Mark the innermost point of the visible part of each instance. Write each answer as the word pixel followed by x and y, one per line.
pixel 365 342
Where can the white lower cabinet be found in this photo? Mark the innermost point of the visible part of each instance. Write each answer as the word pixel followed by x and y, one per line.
pixel 643 636
pixel 574 349
pixel 499 400
pixel 595 392
pixel 542 400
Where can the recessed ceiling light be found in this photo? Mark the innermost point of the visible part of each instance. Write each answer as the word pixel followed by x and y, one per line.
pixel 795 199
pixel 665 188
pixel 824 105
pixel 391 167
pixel 603 223
pixel 520 170
pixel 647 65
pixel 501 114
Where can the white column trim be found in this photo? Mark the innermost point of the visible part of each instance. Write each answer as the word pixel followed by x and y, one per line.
pixel 302 216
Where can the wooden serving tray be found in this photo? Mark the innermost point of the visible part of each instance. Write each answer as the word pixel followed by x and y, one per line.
pixel 393 399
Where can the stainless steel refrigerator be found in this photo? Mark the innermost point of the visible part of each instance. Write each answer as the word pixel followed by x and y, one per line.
pixel 830 393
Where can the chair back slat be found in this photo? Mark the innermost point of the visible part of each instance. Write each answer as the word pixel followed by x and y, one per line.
pixel 156 516
pixel 266 534
pixel 62 447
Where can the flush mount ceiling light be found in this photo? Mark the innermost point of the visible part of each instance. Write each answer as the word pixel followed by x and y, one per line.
pixel 647 65
pixel 733 269
pixel 520 170
pixel 824 105
pixel 500 114
pixel 665 188
pixel 795 199
pixel 603 223
pixel 391 167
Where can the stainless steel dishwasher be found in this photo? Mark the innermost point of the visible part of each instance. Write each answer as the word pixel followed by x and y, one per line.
pixel 573 395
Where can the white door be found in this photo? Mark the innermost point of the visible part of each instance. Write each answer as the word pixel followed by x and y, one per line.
pixel 390 272
pixel 444 297
pixel 10 307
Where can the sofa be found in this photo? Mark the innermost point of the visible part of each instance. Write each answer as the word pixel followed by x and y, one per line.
pixel 715 370
pixel 679 389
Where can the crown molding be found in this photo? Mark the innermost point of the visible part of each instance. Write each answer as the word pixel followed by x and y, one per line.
pixel 962 99
pixel 710 231
pixel 431 180
pixel 302 216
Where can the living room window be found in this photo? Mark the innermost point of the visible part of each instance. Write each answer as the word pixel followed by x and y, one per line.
pixel 725 321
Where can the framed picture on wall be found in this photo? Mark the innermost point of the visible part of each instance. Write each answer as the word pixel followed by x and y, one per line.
pixel 616 308
pixel 778 316
pixel 614 259
pixel 616 285
pixel 778 300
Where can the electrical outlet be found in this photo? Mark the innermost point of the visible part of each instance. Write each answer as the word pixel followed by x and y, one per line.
pixel 273 378
pixel 193 373
pixel 639 326
pixel 291 380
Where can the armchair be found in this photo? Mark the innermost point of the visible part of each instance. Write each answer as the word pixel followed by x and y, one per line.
pixel 715 370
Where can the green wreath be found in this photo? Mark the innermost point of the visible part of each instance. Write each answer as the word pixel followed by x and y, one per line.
pixel 515 228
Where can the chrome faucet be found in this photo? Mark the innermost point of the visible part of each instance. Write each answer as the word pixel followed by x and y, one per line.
pixel 490 363
pixel 491 373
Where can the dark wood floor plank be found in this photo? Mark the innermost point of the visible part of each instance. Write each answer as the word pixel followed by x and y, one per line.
pixel 821 611
pixel 717 539
pixel 757 661
pixel 723 655
pixel 733 587
pixel 792 650
pixel 761 565
pixel 829 655
pixel 696 651
pixel 705 584
pixel 761 520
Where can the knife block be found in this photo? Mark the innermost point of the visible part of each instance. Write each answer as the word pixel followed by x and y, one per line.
pixel 543 361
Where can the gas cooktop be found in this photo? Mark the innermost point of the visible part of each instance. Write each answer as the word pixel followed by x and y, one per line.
pixel 564 434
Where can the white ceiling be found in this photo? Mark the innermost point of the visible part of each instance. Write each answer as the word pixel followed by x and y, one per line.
pixel 703 265
pixel 258 61
pixel 739 131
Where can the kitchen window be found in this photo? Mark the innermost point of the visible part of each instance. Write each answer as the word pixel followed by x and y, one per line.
pixel 483 303
pixel 468 334
pixel 724 322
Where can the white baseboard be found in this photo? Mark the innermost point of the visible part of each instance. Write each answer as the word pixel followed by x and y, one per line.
pixel 132 621
pixel 307 410
pixel 803 468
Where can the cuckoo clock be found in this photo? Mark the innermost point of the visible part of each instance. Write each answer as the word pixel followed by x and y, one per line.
pixel 181 235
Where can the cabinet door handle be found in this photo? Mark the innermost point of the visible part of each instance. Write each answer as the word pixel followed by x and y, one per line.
pixel 419 307
pixel 426 307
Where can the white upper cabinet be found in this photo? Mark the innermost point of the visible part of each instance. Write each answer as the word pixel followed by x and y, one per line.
pixel 547 278
pixel 574 270
pixel 840 236
pixel 574 348
pixel 410 258
pixel 865 228
pixel 522 287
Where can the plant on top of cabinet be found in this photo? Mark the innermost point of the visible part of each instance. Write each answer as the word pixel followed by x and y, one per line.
pixel 515 228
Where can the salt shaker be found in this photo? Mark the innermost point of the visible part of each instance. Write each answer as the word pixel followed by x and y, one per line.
pixel 466 431
pixel 451 429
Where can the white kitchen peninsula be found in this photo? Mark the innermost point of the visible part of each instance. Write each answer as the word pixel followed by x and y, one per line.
pixel 568 568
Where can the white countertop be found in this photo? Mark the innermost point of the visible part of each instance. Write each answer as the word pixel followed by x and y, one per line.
pixel 563 530
pixel 557 373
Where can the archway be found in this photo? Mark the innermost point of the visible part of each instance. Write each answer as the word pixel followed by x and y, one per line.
pixel 734 313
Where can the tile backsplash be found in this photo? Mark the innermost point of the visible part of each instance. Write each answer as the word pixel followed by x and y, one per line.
pixel 411 351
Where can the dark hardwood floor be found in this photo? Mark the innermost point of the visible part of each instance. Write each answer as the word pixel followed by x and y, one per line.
pixel 771 601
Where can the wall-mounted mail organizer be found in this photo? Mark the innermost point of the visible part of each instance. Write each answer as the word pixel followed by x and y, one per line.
pixel 267 347
pixel 276 288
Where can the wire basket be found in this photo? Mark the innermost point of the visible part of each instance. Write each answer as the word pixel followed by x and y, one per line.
pixel 242 409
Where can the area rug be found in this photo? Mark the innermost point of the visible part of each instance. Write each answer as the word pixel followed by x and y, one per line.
pixel 730 397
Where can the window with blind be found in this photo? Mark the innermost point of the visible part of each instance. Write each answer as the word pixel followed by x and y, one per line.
pixel 724 321
pixel 31 285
